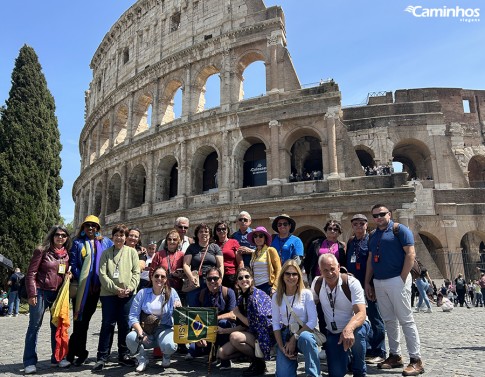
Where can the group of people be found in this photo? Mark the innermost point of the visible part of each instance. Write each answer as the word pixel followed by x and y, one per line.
pixel 359 290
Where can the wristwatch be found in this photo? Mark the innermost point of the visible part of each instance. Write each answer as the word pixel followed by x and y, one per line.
pixel 296 336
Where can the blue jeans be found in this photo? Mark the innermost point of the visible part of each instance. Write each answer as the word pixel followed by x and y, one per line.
pixel 306 345
pixel 162 338
pixel 192 297
pixel 45 299
pixel 377 335
pixel 338 359
pixel 114 311
pixel 13 298
pixel 422 288
pixel 266 288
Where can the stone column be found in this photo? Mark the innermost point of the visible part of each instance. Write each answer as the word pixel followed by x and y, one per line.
pixel 91 196
pixel 104 197
pixel 274 42
pixel 156 107
pixel 274 127
pixel 123 191
pixel 227 93
pixel 183 170
pixel 187 94
pixel 131 109
pixel 98 130
pixel 330 117
pixel 150 184
pixel 112 119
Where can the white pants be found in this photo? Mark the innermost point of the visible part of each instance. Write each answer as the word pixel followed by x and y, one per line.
pixel 394 298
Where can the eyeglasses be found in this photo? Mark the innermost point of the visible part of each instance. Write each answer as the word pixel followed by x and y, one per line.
pixel 243 220
pixel 258 235
pixel 213 278
pixel 182 227
pixel 292 274
pixel 221 230
pixel 160 276
pixel 355 223
pixel 282 224
pixel 60 235
pixel 380 214
pixel 172 239
pixel 242 277
pixel 333 229
pixel 90 225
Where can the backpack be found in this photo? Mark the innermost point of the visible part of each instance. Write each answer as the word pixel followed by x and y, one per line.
pixel 417 267
pixel 204 291
pixel 22 288
pixel 345 284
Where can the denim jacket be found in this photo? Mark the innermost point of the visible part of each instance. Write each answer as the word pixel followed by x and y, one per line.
pixel 141 300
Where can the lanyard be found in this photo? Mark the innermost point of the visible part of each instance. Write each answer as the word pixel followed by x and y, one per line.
pixel 288 314
pixel 119 259
pixel 332 299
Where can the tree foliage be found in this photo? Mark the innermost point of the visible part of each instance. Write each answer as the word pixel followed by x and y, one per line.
pixel 29 161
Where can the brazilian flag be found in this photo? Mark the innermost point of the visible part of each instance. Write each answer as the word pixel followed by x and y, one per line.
pixel 194 324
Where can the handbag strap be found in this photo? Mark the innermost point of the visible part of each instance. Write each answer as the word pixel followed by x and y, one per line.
pixel 290 308
pixel 202 260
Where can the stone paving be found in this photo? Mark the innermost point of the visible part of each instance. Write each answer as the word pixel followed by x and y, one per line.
pixel 452 345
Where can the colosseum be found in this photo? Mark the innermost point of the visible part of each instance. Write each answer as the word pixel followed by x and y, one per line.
pixel 292 150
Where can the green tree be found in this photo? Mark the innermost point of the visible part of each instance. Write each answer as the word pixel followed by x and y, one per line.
pixel 29 161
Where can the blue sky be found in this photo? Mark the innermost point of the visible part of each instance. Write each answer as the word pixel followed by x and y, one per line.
pixel 364 46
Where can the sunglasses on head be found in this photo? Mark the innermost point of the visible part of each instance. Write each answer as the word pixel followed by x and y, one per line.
pixel 242 277
pixel 213 278
pixel 243 220
pixel 380 214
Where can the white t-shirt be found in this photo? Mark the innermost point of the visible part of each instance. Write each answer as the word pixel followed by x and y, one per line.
pixel 343 311
pixel 303 306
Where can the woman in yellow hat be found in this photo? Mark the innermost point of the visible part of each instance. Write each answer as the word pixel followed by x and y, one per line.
pixel 85 254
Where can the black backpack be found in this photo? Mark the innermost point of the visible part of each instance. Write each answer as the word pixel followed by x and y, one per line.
pixel 22 288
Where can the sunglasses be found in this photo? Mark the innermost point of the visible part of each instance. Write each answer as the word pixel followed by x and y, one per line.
pixel 159 276
pixel 355 223
pixel 282 224
pixel 182 227
pixel 90 225
pixel 258 235
pixel 333 229
pixel 243 220
pixel 213 278
pixel 221 229
pixel 242 277
pixel 60 235
pixel 380 214
pixel 292 274
pixel 172 239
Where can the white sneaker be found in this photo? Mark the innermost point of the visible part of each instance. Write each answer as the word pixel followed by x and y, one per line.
pixel 165 361
pixel 64 364
pixel 322 355
pixel 142 363
pixel 30 369
pixel 429 310
pixel 416 310
pixel 188 357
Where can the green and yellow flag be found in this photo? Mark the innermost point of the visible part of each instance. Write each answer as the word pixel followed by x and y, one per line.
pixel 194 324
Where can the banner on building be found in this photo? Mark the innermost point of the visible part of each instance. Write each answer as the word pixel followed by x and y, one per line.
pixel 194 324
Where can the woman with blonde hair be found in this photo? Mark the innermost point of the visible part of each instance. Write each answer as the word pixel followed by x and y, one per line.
pixel 294 317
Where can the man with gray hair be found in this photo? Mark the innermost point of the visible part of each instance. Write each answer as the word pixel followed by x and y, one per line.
pixel 241 236
pixel 182 226
pixel 13 296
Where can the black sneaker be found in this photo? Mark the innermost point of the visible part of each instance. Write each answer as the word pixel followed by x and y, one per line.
pixel 80 360
pixel 127 361
pixel 98 367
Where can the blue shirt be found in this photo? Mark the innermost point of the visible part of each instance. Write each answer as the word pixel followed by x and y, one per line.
pixel 217 300
pixel 141 300
pixel 243 241
pixel 287 248
pixel 357 253
pixel 388 249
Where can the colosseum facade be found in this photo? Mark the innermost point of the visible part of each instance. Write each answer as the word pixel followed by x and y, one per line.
pixel 292 150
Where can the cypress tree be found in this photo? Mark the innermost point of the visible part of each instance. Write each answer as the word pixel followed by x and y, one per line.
pixel 29 161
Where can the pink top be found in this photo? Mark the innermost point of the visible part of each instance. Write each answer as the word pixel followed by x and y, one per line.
pixel 231 259
pixel 327 247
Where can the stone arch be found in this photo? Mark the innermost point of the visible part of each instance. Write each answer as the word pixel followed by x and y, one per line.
pixel 308 234
pixel 104 137
pixel 142 113
pixel 200 85
pixel 205 170
pixel 476 171
pixel 85 204
pixel 98 197
pixel 306 160
pixel 415 157
pixel 167 100
pixel 245 60
pixel 239 155
pixel 365 155
pixel 120 128
pixel 470 255
pixel 255 165
pixel 167 179
pixel 113 200
pixel 137 186
pixel 94 145
pixel 435 249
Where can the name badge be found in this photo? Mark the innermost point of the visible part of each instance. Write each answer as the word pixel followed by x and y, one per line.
pixel 353 258
pixel 294 327
pixel 334 326
pixel 62 268
pixel 116 274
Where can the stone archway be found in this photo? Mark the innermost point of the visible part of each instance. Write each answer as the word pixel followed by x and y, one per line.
pixel 306 159
pixel 476 171
pixel 415 157
pixel 137 187
pixel 114 194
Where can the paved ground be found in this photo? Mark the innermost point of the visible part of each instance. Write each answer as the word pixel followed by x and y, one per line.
pixel 452 345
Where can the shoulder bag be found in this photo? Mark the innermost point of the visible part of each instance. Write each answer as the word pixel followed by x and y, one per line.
pixel 188 285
